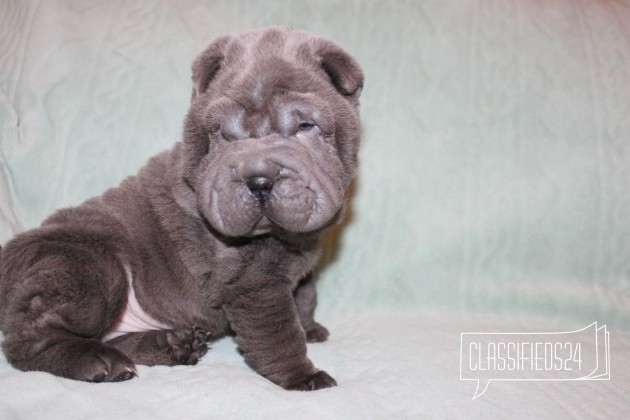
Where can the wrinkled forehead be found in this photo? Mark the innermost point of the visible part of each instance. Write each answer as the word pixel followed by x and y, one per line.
pixel 263 65
pixel 252 85
pixel 258 85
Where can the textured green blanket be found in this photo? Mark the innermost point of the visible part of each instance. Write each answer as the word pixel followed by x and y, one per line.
pixel 495 166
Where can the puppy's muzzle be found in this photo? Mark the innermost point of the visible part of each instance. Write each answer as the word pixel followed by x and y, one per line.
pixel 255 183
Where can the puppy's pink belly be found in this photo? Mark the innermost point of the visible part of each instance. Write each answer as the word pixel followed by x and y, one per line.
pixel 133 318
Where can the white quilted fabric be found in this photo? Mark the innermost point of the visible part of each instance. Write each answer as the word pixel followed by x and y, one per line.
pixel 494 181
pixel 390 365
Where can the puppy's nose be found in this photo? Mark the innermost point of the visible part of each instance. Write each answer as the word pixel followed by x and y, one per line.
pixel 260 186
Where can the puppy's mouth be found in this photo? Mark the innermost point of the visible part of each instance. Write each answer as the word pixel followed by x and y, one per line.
pixel 255 207
pixel 283 204
pixel 262 227
pixel 260 188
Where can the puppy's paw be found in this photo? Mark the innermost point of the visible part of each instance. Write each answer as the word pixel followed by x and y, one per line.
pixel 317 381
pixel 188 346
pixel 92 361
pixel 317 333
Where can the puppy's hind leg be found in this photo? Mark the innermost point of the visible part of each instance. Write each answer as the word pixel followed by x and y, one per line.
pixel 61 296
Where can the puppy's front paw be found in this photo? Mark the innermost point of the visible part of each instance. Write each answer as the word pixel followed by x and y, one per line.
pixel 317 333
pixel 317 381
pixel 188 346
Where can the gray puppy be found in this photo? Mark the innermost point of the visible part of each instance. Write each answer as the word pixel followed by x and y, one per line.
pixel 218 235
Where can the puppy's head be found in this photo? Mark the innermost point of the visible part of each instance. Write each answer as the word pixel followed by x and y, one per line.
pixel 272 134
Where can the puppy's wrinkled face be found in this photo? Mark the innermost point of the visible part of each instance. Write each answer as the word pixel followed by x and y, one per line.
pixel 273 132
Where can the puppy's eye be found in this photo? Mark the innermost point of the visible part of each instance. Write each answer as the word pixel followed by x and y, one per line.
pixel 215 128
pixel 305 126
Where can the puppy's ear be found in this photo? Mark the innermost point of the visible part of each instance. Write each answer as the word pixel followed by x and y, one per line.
pixel 206 65
pixel 344 72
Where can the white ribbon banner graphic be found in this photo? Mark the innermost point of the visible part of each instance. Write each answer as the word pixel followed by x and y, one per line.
pixel 559 356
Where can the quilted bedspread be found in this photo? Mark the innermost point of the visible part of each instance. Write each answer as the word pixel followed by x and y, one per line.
pixel 493 194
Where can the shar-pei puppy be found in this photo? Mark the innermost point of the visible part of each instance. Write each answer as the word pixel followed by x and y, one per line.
pixel 218 235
